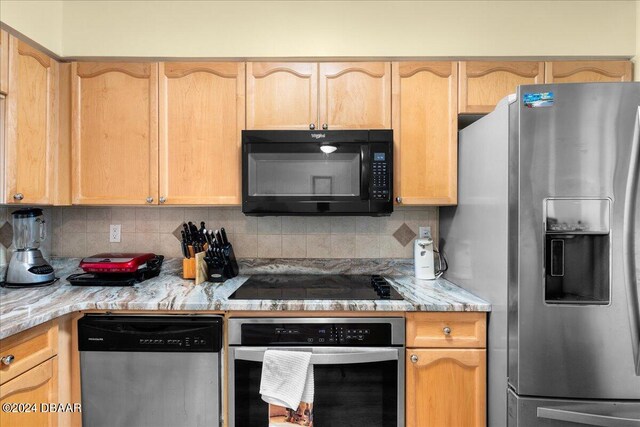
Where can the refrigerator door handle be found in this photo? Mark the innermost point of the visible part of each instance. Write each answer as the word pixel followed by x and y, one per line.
pixel 586 418
pixel 628 243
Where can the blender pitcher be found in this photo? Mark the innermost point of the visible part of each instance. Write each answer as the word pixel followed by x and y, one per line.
pixel 28 229
pixel 27 266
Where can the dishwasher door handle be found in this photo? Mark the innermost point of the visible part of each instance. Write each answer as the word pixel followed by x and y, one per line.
pixel 348 356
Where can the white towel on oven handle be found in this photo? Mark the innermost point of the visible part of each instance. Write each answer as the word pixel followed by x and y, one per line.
pixel 287 378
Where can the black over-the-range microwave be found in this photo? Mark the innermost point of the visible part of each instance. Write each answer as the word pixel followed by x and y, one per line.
pixel 299 172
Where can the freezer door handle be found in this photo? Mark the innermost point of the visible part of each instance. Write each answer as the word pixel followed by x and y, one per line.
pixel 628 243
pixel 586 418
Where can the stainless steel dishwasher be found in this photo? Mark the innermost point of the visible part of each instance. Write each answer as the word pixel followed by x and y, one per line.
pixel 150 370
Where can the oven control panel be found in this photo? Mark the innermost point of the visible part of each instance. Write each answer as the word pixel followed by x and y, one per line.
pixel 380 173
pixel 339 334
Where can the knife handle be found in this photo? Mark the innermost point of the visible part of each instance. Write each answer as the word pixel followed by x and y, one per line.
pixel 219 238
pixel 223 234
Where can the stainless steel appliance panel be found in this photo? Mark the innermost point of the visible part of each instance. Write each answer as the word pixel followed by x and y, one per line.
pixel 541 412
pixel 474 238
pixel 581 147
pixel 356 382
pixel 345 361
pixel 134 389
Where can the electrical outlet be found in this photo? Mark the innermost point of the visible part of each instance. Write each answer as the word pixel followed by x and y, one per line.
pixel 425 232
pixel 114 233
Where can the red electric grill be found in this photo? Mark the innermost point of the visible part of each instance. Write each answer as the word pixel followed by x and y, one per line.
pixel 117 269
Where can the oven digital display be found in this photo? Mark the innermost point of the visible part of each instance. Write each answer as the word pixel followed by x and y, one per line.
pixel 378 157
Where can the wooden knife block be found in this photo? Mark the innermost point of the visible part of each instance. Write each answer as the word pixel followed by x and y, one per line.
pixel 189 268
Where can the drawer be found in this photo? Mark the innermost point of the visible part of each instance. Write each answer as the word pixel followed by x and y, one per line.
pixel 28 348
pixel 36 386
pixel 445 330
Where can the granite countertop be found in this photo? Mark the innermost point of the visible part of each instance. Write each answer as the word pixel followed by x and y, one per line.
pixel 21 309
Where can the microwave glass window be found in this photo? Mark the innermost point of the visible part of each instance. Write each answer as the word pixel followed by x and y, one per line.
pixel 303 174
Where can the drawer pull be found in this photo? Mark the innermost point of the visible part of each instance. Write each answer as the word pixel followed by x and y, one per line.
pixel 414 358
pixel 446 330
pixel 6 360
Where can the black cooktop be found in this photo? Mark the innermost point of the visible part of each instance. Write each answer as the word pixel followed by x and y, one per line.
pixel 316 287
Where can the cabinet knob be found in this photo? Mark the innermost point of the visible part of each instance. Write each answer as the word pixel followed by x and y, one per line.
pixel 149 199
pixel 312 126
pixel 162 199
pixel 6 360
pixel 18 196
pixel 325 126
pixel 399 199
pixel 446 330
pixel 414 358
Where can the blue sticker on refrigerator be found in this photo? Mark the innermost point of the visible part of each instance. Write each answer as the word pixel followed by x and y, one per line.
pixel 537 100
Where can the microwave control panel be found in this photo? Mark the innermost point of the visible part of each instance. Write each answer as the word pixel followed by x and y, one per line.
pixel 380 173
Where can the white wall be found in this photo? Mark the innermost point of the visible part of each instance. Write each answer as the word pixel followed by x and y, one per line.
pixel 328 28
pixel 38 20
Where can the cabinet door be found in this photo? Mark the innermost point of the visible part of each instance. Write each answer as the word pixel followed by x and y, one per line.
pixel 483 84
pixel 587 71
pixel 115 133
pixel 201 121
pixel 36 386
pixel 4 61
pixel 32 125
pixel 446 388
pixel 355 95
pixel 282 95
pixel 425 132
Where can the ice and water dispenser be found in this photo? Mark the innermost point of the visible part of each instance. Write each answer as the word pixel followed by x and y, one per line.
pixel 577 251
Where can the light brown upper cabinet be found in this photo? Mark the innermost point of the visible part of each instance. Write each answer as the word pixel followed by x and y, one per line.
pixel 588 71
pixel 115 133
pixel 282 95
pixel 483 84
pixel 355 95
pixel 31 126
pixel 202 114
pixel 329 95
pixel 425 132
pixel 4 61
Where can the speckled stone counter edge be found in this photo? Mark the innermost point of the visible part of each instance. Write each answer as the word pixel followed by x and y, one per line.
pixel 21 309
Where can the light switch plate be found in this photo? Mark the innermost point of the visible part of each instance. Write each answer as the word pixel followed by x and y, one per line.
pixel 114 233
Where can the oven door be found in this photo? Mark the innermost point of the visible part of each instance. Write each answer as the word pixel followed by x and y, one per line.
pixel 301 178
pixel 354 386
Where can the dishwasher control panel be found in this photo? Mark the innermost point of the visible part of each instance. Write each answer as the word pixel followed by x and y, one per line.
pixel 150 333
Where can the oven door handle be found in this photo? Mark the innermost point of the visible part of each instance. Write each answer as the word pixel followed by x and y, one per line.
pixel 256 354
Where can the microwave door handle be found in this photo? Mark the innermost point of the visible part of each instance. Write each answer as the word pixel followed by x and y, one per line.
pixel 339 358
pixel 366 174
pixel 586 418
pixel 628 243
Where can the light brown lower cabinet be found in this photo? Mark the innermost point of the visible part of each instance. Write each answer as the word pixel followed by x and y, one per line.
pixel 21 397
pixel 446 387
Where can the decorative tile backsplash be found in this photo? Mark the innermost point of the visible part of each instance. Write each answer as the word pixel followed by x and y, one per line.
pixel 82 231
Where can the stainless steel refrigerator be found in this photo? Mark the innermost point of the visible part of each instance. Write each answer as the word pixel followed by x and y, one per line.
pixel 545 229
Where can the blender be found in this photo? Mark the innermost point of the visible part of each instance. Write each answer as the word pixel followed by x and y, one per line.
pixel 27 266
